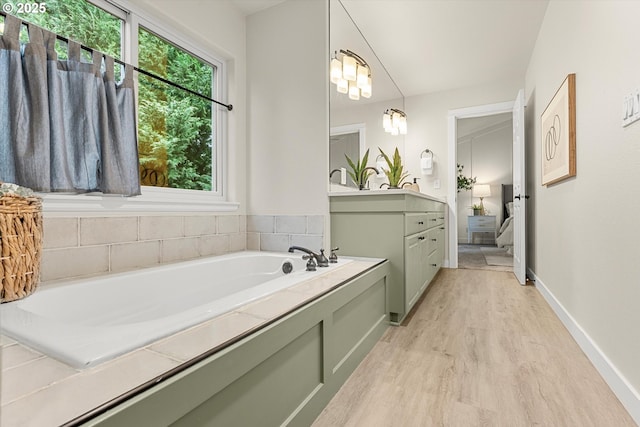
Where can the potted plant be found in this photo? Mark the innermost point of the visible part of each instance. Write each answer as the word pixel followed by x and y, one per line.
pixel 395 172
pixel 464 183
pixel 359 172
pixel 477 210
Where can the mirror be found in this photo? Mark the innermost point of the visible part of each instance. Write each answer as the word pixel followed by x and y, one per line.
pixel 357 125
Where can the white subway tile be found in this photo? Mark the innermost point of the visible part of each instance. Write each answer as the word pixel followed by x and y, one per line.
pixel 128 256
pixel 312 242
pixel 237 242
pixel 161 227
pixel 86 390
pixel 315 224
pixel 207 336
pixel 71 262
pixel 199 225
pixel 228 224
pixel 214 245
pixel 16 355
pixel 180 249
pixel 261 223
pixel 60 233
pixel 26 378
pixel 274 242
pixel 291 224
pixel 253 241
pixel 99 231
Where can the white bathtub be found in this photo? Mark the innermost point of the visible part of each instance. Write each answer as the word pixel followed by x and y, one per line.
pixel 84 323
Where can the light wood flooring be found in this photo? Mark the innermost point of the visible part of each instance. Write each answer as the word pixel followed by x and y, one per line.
pixel 479 350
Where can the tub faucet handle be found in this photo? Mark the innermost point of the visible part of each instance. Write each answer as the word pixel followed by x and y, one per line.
pixel 311 263
pixel 322 259
pixel 333 258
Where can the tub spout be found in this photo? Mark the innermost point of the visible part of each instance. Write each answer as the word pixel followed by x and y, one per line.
pixel 320 258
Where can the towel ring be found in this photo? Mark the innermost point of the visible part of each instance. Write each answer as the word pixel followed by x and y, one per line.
pixel 427 151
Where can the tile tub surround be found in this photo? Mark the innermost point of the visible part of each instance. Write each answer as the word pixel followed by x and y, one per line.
pixel 278 232
pixel 40 391
pixel 84 246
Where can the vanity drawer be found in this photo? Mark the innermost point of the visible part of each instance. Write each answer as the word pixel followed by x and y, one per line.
pixel 435 218
pixel 416 222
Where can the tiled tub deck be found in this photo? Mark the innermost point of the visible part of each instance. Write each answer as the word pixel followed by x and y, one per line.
pixel 40 391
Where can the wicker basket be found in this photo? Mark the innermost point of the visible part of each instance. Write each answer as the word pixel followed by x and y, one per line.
pixel 20 246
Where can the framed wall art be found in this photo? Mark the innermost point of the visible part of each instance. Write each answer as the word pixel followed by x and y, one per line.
pixel 558 126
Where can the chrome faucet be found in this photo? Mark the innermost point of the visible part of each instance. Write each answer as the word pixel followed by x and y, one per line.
pixel 320 258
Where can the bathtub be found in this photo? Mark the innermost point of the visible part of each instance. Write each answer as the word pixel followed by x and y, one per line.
pixel 84 323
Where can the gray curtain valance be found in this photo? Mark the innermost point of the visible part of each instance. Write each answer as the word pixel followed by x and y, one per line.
pixel 64 125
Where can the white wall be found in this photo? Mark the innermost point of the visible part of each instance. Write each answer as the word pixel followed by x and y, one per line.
pixel 288 132
pixel 427 118
pixel 585 229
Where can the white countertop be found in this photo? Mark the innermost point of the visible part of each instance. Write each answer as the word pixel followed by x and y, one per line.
pixel 40 391
pixel 386 192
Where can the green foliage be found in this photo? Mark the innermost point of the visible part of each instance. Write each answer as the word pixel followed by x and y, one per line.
pixel 175 134
pixel 174 128
pixel 395 172
pixel 464 183
pixel 358 173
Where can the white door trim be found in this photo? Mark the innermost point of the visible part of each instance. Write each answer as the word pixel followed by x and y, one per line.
pixel 452 198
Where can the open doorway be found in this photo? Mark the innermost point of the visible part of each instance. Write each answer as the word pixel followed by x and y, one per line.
pixel 460 203
pixel 484 190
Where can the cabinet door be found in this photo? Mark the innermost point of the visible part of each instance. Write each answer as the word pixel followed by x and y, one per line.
pixel 415 260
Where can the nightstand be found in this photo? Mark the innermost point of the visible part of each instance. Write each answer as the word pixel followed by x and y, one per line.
pixel 481 224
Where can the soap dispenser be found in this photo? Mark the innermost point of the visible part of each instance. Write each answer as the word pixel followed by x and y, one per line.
pixel 415 186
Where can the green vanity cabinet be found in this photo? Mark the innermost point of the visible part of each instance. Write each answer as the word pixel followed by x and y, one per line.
pixel 406 227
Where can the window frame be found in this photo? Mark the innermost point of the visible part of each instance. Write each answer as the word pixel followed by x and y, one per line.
pixel 159 199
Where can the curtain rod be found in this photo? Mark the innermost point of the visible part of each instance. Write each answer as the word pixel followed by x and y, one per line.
pixel 140 70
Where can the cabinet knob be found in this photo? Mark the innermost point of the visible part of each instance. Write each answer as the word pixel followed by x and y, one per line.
pixel 440 217
pixel 420 222
pixel 434 219
pixel 434 265
pixel 434 240
pixel 441 228
pixel 421 238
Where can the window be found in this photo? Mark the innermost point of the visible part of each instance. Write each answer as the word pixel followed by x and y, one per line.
pixel 175 137
pixel 178 134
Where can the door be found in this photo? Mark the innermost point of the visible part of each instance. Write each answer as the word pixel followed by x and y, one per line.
pixel 519 192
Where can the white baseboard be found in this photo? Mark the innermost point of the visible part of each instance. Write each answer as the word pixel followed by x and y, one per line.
pixel 625 392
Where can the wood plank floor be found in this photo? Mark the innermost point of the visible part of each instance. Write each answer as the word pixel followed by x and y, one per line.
pixel 479 350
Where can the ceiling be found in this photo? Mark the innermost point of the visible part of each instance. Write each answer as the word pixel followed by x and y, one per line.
pixel 436 45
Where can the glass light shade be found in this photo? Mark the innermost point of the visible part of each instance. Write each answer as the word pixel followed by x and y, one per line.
pixel 336 70
pixel 343 86
pixel 403 125
pixel 349 68
pixel 386 122
pixel 395 120
pixel 481 190
pixel 394 131
pixel 354 92
pixel 366 91
pixel 362 76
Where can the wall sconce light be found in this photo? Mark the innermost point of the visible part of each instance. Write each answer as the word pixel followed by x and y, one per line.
pixel 351 74
pixel 394 121
pixel 426 162
pixel 481 191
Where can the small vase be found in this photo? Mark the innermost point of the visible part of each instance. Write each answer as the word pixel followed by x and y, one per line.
pixel 477 212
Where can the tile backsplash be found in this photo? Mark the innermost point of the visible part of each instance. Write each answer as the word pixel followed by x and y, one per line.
pixel 278 232
pixel 81 246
